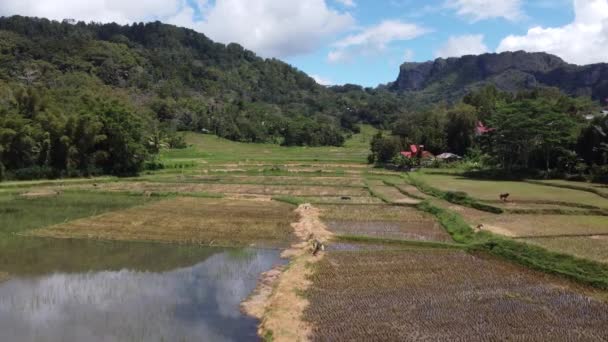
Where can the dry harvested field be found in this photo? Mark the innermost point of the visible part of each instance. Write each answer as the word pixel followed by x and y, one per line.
pixel 383 221
pixel 392 195
pixel 407 230
pixel 271 190
pixel 372 213
pixel 341 199
pixel 188 220
pixel 440 295
pixel 268 180
pixel 548 225
pixel 594 247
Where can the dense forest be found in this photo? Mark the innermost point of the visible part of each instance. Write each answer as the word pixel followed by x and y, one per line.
pixel 540 132
pixel 85 99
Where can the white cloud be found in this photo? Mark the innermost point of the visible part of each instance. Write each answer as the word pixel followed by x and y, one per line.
pixel 408 55
pixel 119 11
pixel 457 46
pixel 477 10
pixel 347 3
pixel 374 39
pixel 583 41
pixel 272 28
pixel 322 80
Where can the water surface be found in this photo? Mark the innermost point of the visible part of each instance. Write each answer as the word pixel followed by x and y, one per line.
pixel 161 293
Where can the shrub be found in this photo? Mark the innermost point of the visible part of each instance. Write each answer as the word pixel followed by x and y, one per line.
pixel 35 172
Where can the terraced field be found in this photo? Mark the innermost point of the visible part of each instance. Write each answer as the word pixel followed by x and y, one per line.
pixel 439 295
pixel 391 270
pixel 215 222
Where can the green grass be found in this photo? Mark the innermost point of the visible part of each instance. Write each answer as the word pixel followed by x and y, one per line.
pixel 595 188
pixel 452 197
pixel 18 214
pixel 289 200
pixel 215 149
pixel 489 190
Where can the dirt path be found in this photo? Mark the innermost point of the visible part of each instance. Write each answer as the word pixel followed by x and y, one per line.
pixel 3 277
pixel 277 301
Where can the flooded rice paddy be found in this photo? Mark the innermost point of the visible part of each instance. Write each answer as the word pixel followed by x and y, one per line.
pixel 99 291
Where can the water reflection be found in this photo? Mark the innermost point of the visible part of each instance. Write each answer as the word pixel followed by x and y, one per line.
pixel 195 303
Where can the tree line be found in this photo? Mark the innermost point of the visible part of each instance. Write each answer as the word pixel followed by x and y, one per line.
pixel 529 132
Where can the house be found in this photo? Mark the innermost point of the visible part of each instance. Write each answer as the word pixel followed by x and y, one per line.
pixel 449 157
pixel 417 151
pixel 481 129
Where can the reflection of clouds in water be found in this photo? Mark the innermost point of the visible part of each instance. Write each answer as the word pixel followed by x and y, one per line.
pixel 196 303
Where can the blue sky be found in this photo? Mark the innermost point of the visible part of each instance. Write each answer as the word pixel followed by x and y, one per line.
pixel 362 41
pixel 381 67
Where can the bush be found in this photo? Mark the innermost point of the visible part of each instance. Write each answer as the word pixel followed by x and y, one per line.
pixel 154 165
pixel 35 172
pixel 2 172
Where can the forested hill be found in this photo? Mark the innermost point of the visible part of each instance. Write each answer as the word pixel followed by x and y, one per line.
pixel 453 78
pixel 79 99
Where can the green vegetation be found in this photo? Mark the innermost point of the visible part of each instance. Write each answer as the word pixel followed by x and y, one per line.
pixel 542 132
pixel 216 150
pixel 457 197
pixel 489 190
pixel 19 213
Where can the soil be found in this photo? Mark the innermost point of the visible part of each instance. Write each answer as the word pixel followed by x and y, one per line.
pixel 278 300
pixel 498 230
pixel 40 193
pixel 3 277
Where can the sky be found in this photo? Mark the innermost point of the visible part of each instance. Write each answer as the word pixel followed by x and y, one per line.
pixel 362 41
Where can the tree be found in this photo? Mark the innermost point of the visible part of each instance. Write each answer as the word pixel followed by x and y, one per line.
pixel 460 128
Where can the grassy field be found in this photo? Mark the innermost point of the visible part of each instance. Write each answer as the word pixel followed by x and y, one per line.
pixel 18 213
pixel 601 189
pixel 547 225
pixel 520 192
pixel 216 150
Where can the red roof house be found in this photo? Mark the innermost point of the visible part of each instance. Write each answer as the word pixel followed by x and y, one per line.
pixel 481 129
pixel 417 151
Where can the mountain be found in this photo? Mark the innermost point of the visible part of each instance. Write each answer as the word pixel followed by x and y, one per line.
pixel 80 99
pixel 451 78
pixel 179 76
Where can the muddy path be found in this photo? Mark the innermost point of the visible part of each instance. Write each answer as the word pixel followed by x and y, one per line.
pixel 277 301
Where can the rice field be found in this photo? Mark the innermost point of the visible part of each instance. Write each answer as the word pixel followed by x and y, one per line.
pixel 548 225
pixel 488 190
pixel 252 189
pixel 391 194
pixel 593 247
pixel 21 213
pixel 214 222
pixel 440 295
pixel 425 230
pixel 379 285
